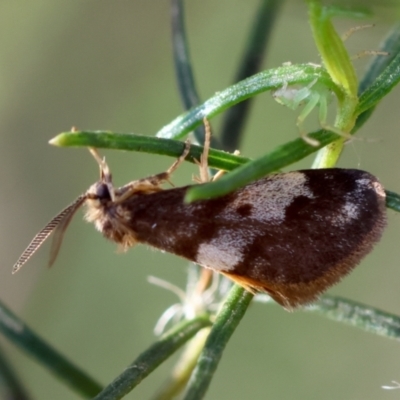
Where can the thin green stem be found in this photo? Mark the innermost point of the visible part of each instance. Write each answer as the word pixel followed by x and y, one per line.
pixel 256 46
pixel 183 66
pixel 331 48
pixel 149 360
pixel 180 375
pixel 148 144
pixel 328 156
pixel 263 81
pixel 392 200
pixel 227 320
pixel 23 337
pixel 356 314
pixel 11 387
pixel 378 63
pixel 385 82
pixel 340 68
pixel 280 157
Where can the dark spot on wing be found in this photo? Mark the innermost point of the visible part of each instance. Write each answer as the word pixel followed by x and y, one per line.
pixel 298 208
pixel 244 210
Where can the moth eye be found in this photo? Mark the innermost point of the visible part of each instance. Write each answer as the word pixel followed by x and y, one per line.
pixel 102 192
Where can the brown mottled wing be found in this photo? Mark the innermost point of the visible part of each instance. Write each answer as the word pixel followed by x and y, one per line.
pixel 292 235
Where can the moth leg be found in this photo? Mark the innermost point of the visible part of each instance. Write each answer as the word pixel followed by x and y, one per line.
pixel 105 174
pixel 152 183
pixel 164 176
pixel 221 171
pixel 203 163
pixel 157 179
pixel 180 159
pixel 207 276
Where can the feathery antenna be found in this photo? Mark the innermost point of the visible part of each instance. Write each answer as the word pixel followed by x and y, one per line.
pixel 59 223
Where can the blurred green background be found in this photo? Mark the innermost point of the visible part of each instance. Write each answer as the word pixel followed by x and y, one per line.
pixel 108 65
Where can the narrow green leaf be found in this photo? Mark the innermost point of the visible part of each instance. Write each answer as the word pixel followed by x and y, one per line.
pixel 356 314
pixel 280 157
pixel 180 374
pixel 23 337
pixel 389 78
pixel 331 48
pixel 183 67
pixel 147 144
pixel 364 317
pixel 378 63
pixel 251 61
pixel 392 200
pixel 149 360
pixel 261 82
pixel 11 387
pixel 225 324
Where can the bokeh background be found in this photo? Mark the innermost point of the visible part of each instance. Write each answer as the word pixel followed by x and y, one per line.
pixel 108 65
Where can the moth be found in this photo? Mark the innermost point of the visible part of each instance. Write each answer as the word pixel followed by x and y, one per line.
pixel 291 235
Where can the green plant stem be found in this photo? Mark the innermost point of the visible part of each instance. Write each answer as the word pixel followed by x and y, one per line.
pixel 328 156
pixel 149 360
pixel 11 387
pixel 385 82
pixel 183 368
pixel 183 66
pixel 263 81
pixel 367 318
pixel 245 169
pixel 356 314
pixel 23 337
pixel 381 77
pixel 256 46
pixel 227 320
pixel 378 63
pixel 148 144
pixel 331 48
pixel 392 200
pixel 280 157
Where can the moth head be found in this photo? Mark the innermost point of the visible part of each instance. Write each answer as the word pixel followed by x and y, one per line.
pixel 101 192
